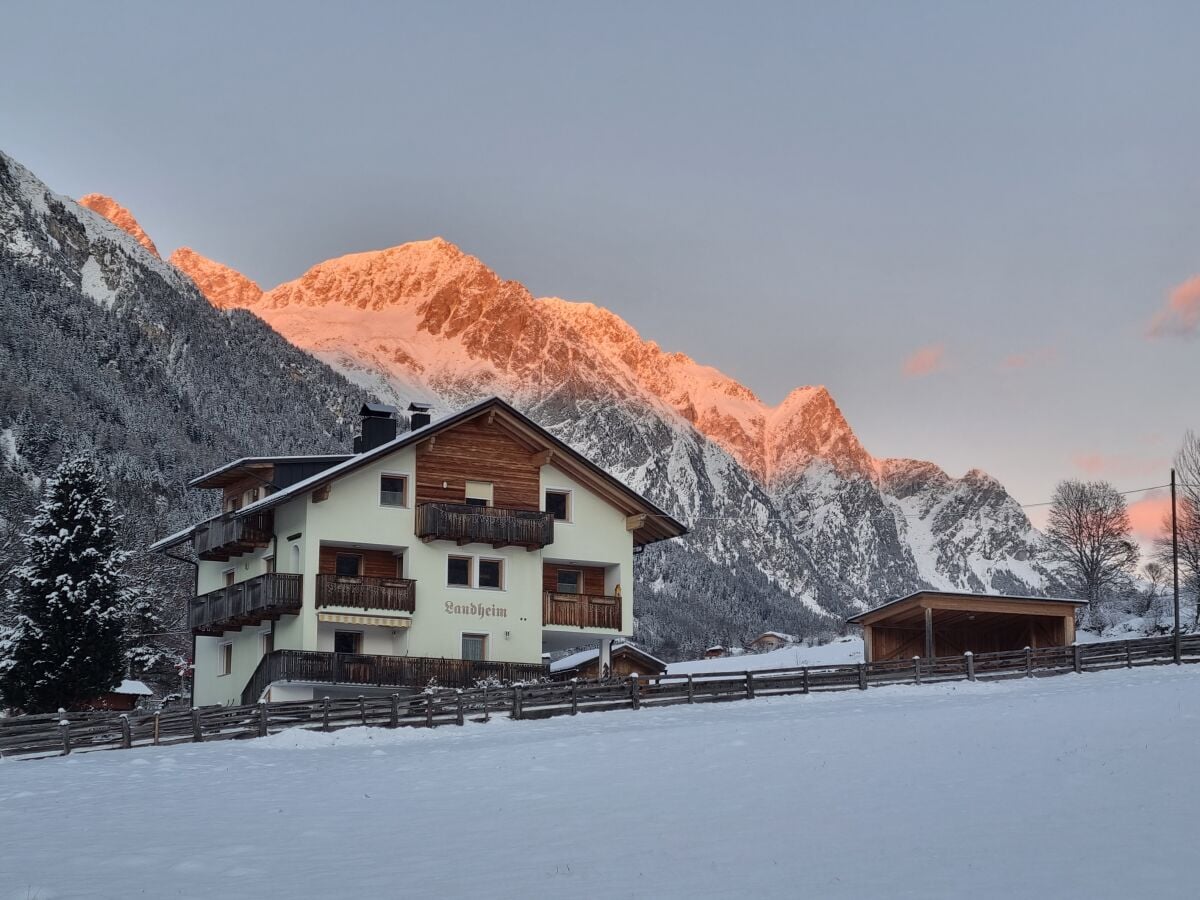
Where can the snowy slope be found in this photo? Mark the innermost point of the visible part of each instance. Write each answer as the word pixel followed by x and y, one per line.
pixel 1012 789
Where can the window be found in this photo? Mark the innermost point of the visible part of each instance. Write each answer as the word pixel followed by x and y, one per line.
pixel 458 571
pixel 251 495
pixel 559 503
pixel 268 564
pixel 393 490
pixel 474 646
pixel 347 642
pixel 347 565
pixel 491 573
pixel 399 565
pixel 570 581
pixel 230 576
pixel 479 493
pixel 268 642
pixel 225 659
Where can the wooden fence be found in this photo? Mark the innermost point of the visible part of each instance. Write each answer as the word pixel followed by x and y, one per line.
pixel 62 733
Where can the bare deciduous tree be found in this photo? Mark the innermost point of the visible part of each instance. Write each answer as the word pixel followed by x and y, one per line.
pixel 1089 533
pixel 1187 473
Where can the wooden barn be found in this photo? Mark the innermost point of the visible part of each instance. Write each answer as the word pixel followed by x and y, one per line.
pixel 627 659
pixel 943 623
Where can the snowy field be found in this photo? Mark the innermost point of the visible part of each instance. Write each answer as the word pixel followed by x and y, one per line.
pixel 1055 787
pixel 840 652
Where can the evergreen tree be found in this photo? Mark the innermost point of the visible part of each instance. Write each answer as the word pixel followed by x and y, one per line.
pixel 70 597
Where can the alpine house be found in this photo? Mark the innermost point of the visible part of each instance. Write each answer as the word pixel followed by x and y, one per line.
pixel 462 549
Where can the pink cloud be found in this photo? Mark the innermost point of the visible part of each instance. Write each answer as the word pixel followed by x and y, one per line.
pixel 1120 465
pixel 1015 361
pixel 1146 516
pixel 1181 316
pixel 925 361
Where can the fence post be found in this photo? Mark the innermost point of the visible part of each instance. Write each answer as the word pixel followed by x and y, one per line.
pixel 804 680
pixel 394 720
pixel 916 670
pixel 1028 662
pixel 635 696
pixel 970 665
pixel 429 710
pixel 749 685
pixel 362 709
pixel 574 696
pixel 691 689
pixel 1075 654
pixel 862 676
pixel 458 717
pixel 197 732
pixel 487 709
pixel 64 731
pixel 1128 657
pixel 325 714
pixel 156 727
pixel 516 709
pixel 126 735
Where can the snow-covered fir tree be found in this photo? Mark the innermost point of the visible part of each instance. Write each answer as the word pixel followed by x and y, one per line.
pixel 71 598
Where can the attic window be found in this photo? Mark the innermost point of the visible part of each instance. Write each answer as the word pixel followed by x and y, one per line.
pixel 558 503
pixel 393 490
pixel 479 493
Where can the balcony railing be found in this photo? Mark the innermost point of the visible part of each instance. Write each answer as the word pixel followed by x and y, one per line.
pixel 225 536
pixel 319 667
pixel 246 603
pixel 581 610
pixel 493 525
pixel 367 592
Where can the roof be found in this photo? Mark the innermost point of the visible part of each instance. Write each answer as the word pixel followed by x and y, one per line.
pixel 220 476
pixel 790 638
pixel 657 526
pixel 130 686
pixel 583 657
pixel 965 596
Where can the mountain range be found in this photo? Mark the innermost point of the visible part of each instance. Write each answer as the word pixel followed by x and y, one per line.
pixel 794 523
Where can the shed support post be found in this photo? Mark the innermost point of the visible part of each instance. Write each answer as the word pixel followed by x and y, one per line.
pixel 928 633
pixel 970 665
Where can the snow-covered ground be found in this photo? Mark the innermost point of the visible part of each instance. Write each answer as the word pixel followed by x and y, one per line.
pixel 1022 788
pixel 840 652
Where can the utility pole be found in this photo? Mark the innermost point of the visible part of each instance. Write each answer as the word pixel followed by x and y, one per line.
pixel 1175 566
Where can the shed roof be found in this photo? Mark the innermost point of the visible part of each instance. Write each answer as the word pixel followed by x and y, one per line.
pixel 966 599
pixel 583 657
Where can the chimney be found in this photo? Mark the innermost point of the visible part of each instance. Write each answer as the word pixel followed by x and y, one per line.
pixel 419 415
pixel 378 426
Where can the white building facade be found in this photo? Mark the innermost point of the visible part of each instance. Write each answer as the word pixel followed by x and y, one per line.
pixel 461 550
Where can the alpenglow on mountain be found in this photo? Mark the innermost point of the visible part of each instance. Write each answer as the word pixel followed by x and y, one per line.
pixel 793 522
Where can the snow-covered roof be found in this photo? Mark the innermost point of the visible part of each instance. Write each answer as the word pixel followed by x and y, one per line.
pixel 964 595
pixel 266 461
pixel 583 657
pixel 131 686
pixel 171 540
pixel 790 638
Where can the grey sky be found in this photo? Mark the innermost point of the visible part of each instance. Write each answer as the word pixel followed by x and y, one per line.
pixel 796 194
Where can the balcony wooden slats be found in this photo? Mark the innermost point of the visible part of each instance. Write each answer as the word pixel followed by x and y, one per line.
pixel 224 536
pixel 320 667
pixel 367 592
pixel 500 527
pixel 248 602
pixel 581 610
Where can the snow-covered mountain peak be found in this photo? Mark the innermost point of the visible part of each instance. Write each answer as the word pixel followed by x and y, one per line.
pixel 224 287
pixel 119 216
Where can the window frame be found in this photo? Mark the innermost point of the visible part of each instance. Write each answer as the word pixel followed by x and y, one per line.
pixel 488 500
pixel 338 555
pixel 569 496
pixel 470 561
pixel 358 641
pixel 499 561
pixel 266 638
pixel 404 493
pixel 485 638
pixel 578 592
pixel 224 659
pixel 229 576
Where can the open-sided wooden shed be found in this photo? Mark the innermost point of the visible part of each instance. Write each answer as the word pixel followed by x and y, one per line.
pixel 943 623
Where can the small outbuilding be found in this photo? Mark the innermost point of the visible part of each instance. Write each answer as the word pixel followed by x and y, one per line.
pixel 770 640
pixel 627 659
pixel 945 623
pixel 716 651
pixel 123 697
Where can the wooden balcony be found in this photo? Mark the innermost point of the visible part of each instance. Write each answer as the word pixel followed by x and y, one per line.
pixel 249 602
pixel 320 667
pixel 224 536
pixel 466 524
pixel 367 592
pixel 581 610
